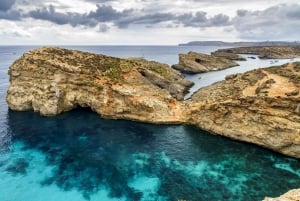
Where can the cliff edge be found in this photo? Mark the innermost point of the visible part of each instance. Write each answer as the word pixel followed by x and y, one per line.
pixel 194 62
pixel 53 80
pixel 267 52
pixel 260 106
pixel 292 195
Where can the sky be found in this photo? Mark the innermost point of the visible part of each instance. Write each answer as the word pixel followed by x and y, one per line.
pixel 146 22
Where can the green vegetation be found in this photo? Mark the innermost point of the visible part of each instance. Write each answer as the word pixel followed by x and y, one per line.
pixel 156 67
pixel 59 51
pixel 97 64
pixel 213 107
pixel 297 66
pixel 100 87
pixel 114 74
pixel 280 70
pixel 253 76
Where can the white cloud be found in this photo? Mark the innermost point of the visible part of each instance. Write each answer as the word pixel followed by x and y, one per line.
pixel 149 21
pixel 280 22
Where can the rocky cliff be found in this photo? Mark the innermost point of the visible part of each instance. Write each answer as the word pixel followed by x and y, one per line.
pixel 228 55
pixel 53 80
pixel 194 62
pixel 267 52
pixel 260 106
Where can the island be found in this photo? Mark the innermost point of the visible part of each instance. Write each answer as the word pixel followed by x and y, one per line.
pixel 194 62
pixel 241 43
pixel 260 106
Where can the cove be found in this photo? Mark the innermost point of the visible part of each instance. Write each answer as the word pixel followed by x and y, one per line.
pixel 79 156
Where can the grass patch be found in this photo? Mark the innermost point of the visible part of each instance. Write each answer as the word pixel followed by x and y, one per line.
pixel 100 87
pixel 280 70
pixel 114 74
pixel 297 66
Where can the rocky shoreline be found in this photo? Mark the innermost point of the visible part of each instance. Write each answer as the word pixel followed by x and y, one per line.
pixel 292 195
pixel 193 62
pixel 54 80
pixel 260 106
pixel 267 52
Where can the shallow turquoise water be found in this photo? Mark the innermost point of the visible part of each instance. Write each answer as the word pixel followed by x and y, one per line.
pixel 78 156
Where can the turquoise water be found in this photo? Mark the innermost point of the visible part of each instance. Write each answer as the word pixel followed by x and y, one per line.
pixel 77 156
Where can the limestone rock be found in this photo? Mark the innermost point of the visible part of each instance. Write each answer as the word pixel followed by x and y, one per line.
pixel 295 92
pixel 228 55
pixel 292 195
pixel 236 109
pixel 53 80
pixel 252 107
pixel 194 62
pixel 267 52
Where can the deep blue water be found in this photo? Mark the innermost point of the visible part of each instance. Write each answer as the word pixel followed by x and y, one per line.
pixel 78 156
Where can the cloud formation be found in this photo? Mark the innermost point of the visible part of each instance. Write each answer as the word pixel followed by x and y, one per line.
pixel 125 18
pixel 121 19
pixel 248 20
pixel 6 4
pixel 275 22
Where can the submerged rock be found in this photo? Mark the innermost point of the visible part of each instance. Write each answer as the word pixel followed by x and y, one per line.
pixel 194 62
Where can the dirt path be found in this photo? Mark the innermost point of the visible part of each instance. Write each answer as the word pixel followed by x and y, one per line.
pixel 281 86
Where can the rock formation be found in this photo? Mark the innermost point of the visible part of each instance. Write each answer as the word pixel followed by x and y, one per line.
pixel 267 52
pixel 292 195
pixel 194 62
pixel 54 80
pixel 253 107
pixel 228 55
pixel 260 106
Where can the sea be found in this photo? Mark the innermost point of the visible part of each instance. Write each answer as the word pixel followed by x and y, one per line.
pixel 79 156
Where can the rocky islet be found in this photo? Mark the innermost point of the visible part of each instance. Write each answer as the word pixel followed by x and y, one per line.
pixel 194 62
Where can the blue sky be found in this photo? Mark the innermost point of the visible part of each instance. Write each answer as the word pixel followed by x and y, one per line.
pixel 152 22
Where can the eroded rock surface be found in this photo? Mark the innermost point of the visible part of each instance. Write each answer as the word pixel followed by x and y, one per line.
pixel 292 195
pixel 53 80
pixel 228 55
pixel 267 52
pixel 194 62
pixel 253 107
pixel 260 106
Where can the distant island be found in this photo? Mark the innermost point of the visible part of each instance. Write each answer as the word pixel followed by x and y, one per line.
pixel 258 43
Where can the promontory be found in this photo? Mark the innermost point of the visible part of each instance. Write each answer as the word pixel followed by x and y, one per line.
pixel 194 62
pixel 267 52
pixel 260 106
